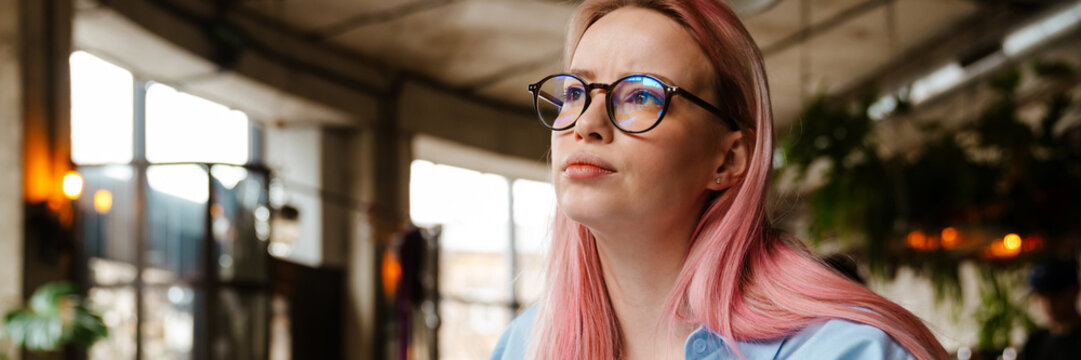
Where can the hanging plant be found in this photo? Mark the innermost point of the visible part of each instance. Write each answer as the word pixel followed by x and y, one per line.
pixel 857 200
pixel 954 197
pixel 55 316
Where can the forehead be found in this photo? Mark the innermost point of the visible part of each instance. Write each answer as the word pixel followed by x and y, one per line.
pixel 635 40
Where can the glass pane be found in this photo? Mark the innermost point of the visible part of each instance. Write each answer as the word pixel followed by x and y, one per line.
pixel 473 209
pixel 470 331
pixel 176 209
pixel 184 128
pixel 241 326
pixel 117 309
pixel 474 276
pixel 534 205
pixel 241 223
pixel 472 206
pixel 108 272
pixel 169 323
pixel 102 97
pixel 107 212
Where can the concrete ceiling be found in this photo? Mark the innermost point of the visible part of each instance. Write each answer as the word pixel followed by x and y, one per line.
pixel 122 42
pixel 493 48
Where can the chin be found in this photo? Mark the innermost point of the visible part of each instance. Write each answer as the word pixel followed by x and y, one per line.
pixel 594 205
pixel 592 213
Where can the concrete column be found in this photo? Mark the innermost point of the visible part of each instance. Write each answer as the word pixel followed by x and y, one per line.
pixel 379 160
pixel 35 38
pixel 361 272
pixel 11 197
pixel 338 204
pixel 45 35
pixel 46 86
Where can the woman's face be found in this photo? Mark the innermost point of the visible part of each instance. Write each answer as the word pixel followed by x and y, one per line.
pixel 606 178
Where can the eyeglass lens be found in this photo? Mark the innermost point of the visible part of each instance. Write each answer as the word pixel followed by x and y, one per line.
pixel 560 100
pixel 637 102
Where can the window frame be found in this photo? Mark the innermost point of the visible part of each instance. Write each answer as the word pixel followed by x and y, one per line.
pixel 208 284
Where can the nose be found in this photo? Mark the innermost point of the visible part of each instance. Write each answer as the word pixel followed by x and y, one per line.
pixel 593 125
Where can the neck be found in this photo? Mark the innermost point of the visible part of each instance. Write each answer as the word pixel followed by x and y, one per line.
pixel 640 269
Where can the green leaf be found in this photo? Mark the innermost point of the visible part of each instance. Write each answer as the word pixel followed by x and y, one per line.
pixel 57 316
pixel 46 300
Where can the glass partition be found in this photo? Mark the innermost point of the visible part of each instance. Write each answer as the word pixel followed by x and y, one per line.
pixel 173 221
pixel 169 325
pixel 176 211
pixel 117 308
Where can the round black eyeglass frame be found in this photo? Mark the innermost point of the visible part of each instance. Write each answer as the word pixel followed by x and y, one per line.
pixel 670 91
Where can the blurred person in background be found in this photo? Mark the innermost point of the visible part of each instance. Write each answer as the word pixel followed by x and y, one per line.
pixel 1055 288
pixel 661 246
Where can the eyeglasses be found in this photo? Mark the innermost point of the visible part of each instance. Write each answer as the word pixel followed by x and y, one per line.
pixel 635 103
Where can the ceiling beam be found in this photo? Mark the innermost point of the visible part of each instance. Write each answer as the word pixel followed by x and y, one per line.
pixel 815 29
pixel 369 18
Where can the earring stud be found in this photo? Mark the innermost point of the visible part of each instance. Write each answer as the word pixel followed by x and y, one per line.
pixel 716 180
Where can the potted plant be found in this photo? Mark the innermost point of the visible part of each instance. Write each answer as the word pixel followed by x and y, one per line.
pixel 54 317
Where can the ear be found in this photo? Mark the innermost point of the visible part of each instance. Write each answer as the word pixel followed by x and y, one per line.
pixel 731 161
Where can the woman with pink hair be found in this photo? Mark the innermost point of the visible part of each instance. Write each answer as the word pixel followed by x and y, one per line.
pixel 661 246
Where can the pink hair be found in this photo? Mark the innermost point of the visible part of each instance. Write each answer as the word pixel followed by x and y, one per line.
pixel 740 278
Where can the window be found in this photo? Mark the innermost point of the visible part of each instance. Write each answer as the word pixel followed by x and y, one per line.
pixel 102 96
pixel 534 205
pixel 489 266
pixel 174 222
pixel 182 127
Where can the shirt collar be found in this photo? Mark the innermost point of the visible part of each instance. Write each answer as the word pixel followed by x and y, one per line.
pixel 704 344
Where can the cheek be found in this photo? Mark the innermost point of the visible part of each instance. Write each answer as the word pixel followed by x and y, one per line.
pixel 680 161
pixel 669 174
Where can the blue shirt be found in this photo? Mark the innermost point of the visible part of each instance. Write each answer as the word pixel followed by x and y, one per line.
pixel 832 339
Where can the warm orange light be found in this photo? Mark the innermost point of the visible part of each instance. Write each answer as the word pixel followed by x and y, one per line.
pixel 40 178
pixel 103 201
pixel 392 274
pixel 72 185
pixel 949 237
pixel 1012 242
pixel 920 241
pixel 1001 248
pixel 917 240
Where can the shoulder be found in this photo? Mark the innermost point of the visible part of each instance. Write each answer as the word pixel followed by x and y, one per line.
pixel 842 339
pixel 515 340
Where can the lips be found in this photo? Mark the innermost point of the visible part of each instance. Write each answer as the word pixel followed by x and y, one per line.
pixel 581 166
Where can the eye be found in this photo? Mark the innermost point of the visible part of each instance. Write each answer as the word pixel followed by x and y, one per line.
pixel 645 97
pixel 572 94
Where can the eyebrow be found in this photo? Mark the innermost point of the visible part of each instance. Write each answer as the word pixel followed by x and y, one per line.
pixel 589 75
pixel 585 74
